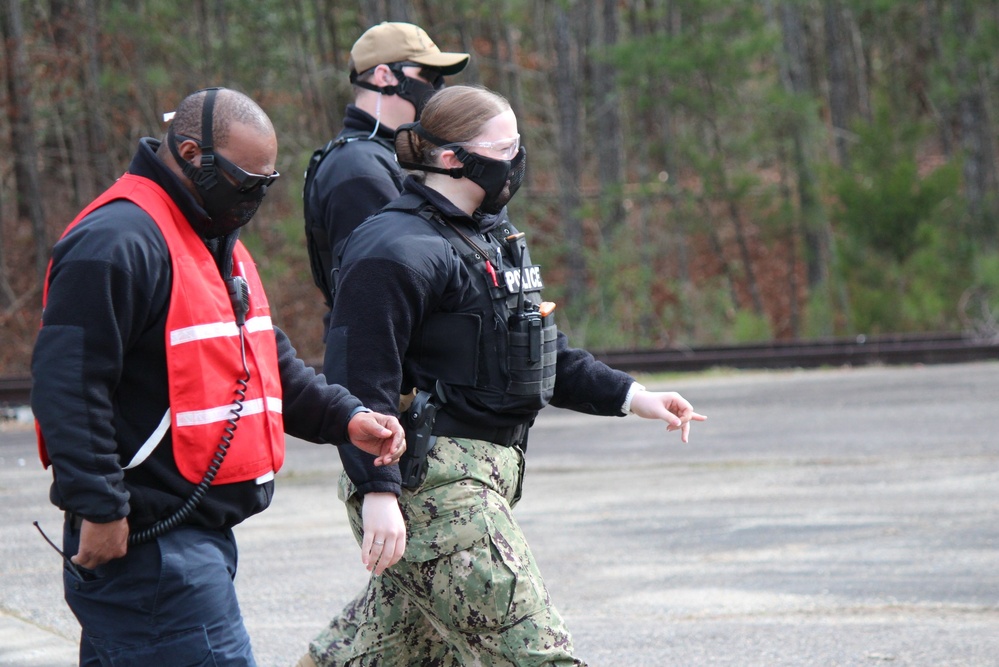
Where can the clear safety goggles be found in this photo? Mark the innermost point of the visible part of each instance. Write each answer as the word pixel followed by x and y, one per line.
pixel 507 148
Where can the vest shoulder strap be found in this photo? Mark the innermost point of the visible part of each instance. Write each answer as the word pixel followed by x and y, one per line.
pixel 321 259
pixel 467 249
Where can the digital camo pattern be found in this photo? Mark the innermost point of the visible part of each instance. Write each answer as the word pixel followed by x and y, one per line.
pixel 468 591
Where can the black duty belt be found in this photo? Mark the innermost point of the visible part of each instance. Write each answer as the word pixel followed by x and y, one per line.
pixel 504 436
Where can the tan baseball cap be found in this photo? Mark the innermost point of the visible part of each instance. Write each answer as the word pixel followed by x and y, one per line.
pixel 397 42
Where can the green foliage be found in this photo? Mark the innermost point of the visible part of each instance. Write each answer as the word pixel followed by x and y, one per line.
pixel 986 271
pixel 920 293
pixel 720 322
pixel 700 95
pixel 882 198
pixel 277 245
pixel 979 304
pixel 819 315
pixel 704 63
pixel 749 327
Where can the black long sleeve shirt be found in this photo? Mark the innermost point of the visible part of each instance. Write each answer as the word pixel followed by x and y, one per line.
pixel 397 271
pixel 100 376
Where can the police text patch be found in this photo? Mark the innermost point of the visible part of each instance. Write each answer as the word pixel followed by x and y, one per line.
pixel 531 276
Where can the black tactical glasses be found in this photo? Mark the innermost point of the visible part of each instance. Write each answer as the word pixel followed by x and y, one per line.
pixel 245 181
pixel 431 75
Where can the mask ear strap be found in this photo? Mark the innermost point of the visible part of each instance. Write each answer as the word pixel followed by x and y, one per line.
pixel 204 176
pixel 426 134
pixel 207 177
pixel 456 172
pixel 471 165
pixel 386 90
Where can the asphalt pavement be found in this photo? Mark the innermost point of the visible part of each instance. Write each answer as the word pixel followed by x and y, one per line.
pixel 842 517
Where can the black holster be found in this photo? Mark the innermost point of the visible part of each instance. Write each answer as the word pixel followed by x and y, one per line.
pixel 418 422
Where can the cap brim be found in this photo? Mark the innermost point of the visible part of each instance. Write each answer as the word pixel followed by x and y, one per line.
pixel 447 63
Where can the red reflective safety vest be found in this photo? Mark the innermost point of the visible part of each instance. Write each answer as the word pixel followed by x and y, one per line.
pixel 204 361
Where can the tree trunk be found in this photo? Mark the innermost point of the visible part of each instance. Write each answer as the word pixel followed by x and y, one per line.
pixel 570 158
pixel 22 130
pixel 859 93
pixel 97 134
pixel 73 164
pixel 719 249
pixel 333 65
pixel 672 24
pixel 398 10
pixel 7 295
pixel 607 122
pixel 976 135
pixel 735 215
pixel 376 11
pixel 220 18
pixel 931 54
pixel 312 96
pixel 202 25
pixel 814 225
pixel 653 148
pixel 489 38
pixel 511 70
pixel 838 72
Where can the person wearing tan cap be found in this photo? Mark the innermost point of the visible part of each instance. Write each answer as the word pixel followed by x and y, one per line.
pixel 395 68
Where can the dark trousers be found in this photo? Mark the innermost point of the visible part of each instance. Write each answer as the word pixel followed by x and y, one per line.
pixel 167 602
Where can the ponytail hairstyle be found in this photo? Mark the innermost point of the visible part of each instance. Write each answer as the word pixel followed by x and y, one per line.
pixel 455 114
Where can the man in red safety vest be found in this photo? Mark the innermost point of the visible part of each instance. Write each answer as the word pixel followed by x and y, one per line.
pixel 162 391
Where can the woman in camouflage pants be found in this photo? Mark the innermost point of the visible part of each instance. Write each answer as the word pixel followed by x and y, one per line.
pixel 434 296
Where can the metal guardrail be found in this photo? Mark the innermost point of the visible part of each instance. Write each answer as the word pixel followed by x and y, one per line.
pixel 859 351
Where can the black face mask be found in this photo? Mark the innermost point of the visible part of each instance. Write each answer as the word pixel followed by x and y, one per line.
pixel 412 90
pixel 228 206
pixel 500 179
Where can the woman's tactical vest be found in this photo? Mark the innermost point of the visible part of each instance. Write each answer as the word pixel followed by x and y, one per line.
pixel 203 351
pixel 506 351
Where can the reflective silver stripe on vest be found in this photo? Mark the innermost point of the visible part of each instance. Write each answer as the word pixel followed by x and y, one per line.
pixel 218 330
pixel 259 323
pixel 152 442
pixel 223 412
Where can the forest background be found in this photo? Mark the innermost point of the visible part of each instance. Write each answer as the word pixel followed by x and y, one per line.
pixel 700 171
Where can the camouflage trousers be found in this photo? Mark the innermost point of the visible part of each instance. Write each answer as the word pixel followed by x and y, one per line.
pixel 467 591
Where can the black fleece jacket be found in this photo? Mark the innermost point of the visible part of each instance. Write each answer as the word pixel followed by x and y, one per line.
pixel 396 271
pixel 355 180
pixel 100 377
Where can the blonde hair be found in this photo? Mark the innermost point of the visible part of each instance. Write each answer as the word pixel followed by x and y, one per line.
pixel 456 114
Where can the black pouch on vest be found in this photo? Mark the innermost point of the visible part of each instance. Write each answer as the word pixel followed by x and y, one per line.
pixel 531 356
